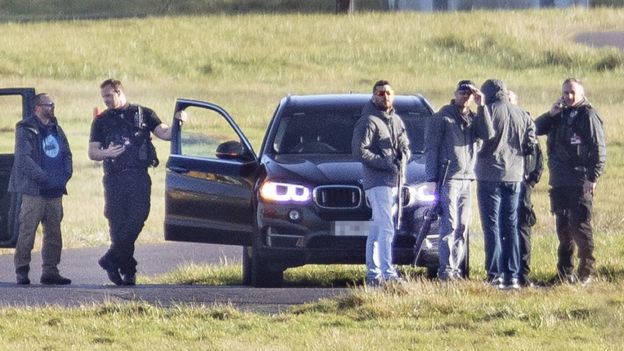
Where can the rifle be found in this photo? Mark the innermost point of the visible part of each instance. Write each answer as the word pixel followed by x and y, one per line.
pixel 400 183
pixel 430 216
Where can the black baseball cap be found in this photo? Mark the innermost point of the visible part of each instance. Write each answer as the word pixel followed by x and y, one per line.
pixel 465 85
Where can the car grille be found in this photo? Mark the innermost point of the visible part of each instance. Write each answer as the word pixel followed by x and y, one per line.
pixel 338 196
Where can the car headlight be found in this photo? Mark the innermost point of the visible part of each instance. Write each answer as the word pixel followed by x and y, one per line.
pixel 284 192
pixel 420 195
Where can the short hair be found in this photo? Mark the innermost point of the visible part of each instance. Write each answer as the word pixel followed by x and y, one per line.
pixel 114 83
pixel 39 98
pixel 381 83
pixel 572 80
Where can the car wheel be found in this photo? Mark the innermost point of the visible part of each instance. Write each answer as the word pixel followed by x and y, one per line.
pixel 264 276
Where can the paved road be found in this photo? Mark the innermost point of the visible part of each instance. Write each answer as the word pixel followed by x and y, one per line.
pixel 90 285
pixel 602 39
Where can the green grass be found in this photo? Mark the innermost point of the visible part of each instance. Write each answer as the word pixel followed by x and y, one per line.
pixel 416 316
pixel 246 63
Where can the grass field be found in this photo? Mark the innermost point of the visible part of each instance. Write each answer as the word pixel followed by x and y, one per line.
pixel 246 63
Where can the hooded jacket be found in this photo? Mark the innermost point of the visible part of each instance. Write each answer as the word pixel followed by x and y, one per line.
pixel 379 139
pixel 453 137
pixel 501 158
pixel 27 175
pixel 576 144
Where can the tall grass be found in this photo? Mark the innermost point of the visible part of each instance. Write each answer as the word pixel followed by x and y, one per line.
pixel 246 63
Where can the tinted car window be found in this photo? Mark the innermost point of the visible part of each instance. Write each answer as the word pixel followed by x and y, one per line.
pixel 330 132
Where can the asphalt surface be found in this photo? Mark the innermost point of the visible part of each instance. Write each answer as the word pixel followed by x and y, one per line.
pixel 90 285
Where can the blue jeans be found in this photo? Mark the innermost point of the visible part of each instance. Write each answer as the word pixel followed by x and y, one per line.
pixel 498 206
pixel 454 223
pixel 381 233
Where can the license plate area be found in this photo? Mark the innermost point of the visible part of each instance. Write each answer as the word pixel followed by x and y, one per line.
pixel 350 228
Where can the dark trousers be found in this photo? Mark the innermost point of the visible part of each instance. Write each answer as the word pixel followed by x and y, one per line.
pixel 498 207
pixel 573 210
pixel 526 219
pixel 127 196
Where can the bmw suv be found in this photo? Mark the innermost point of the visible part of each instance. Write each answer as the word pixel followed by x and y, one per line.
pixel 297 201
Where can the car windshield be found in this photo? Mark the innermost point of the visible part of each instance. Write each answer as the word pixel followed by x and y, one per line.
pixel 330 132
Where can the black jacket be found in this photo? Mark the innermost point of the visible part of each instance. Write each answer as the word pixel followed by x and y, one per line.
pixel 533 165
pixel 576 144
pixel 27 176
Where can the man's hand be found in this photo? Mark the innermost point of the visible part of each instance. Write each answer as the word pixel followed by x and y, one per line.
pixel 182 116
pixel 431 188
pixel 589 187
pixel 556 107
pixel 479 98
pixel 113 150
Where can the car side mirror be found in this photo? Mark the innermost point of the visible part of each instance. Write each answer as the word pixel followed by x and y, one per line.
pixel 232 150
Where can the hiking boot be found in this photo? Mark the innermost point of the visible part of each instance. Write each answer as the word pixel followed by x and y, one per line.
pixel 22 279
pixel 54 279
pixel 114 276
pixel 128 279
pixel 112 273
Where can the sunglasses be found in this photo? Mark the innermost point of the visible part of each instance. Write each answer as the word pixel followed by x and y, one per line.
pixel 383 93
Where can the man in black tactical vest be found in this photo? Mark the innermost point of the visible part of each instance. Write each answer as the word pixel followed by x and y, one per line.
pixel 121 137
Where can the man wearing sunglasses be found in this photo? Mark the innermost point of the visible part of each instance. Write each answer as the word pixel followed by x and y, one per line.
pixel 380 143
pixel 42 167
pixel 452 136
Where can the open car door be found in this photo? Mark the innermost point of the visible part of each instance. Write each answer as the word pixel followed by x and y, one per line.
pixel 211 173
pixel 15 104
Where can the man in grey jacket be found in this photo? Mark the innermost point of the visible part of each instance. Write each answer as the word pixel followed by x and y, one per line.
pixel 576 158
pixel 453 135
pixel 499 170
pixel 42 167
pixel 380 142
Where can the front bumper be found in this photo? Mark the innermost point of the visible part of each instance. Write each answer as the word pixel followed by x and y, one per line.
pixel 310 239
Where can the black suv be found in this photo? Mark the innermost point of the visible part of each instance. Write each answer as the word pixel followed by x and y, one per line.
pixel 300 199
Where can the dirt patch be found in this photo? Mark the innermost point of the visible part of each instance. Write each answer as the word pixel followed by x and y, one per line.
pixel 602 39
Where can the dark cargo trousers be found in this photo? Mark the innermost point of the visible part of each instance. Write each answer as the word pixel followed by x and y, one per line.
pixel 526 219
pixel 48 212
pixel 573 210
pixel 127 196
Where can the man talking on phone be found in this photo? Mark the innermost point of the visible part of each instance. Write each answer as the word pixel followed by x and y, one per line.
pixel 576 158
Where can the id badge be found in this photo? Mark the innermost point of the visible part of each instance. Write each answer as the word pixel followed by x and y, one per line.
pixel 575 139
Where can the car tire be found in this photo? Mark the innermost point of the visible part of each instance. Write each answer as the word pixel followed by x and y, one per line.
pixel 258 273
pixel 263 276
